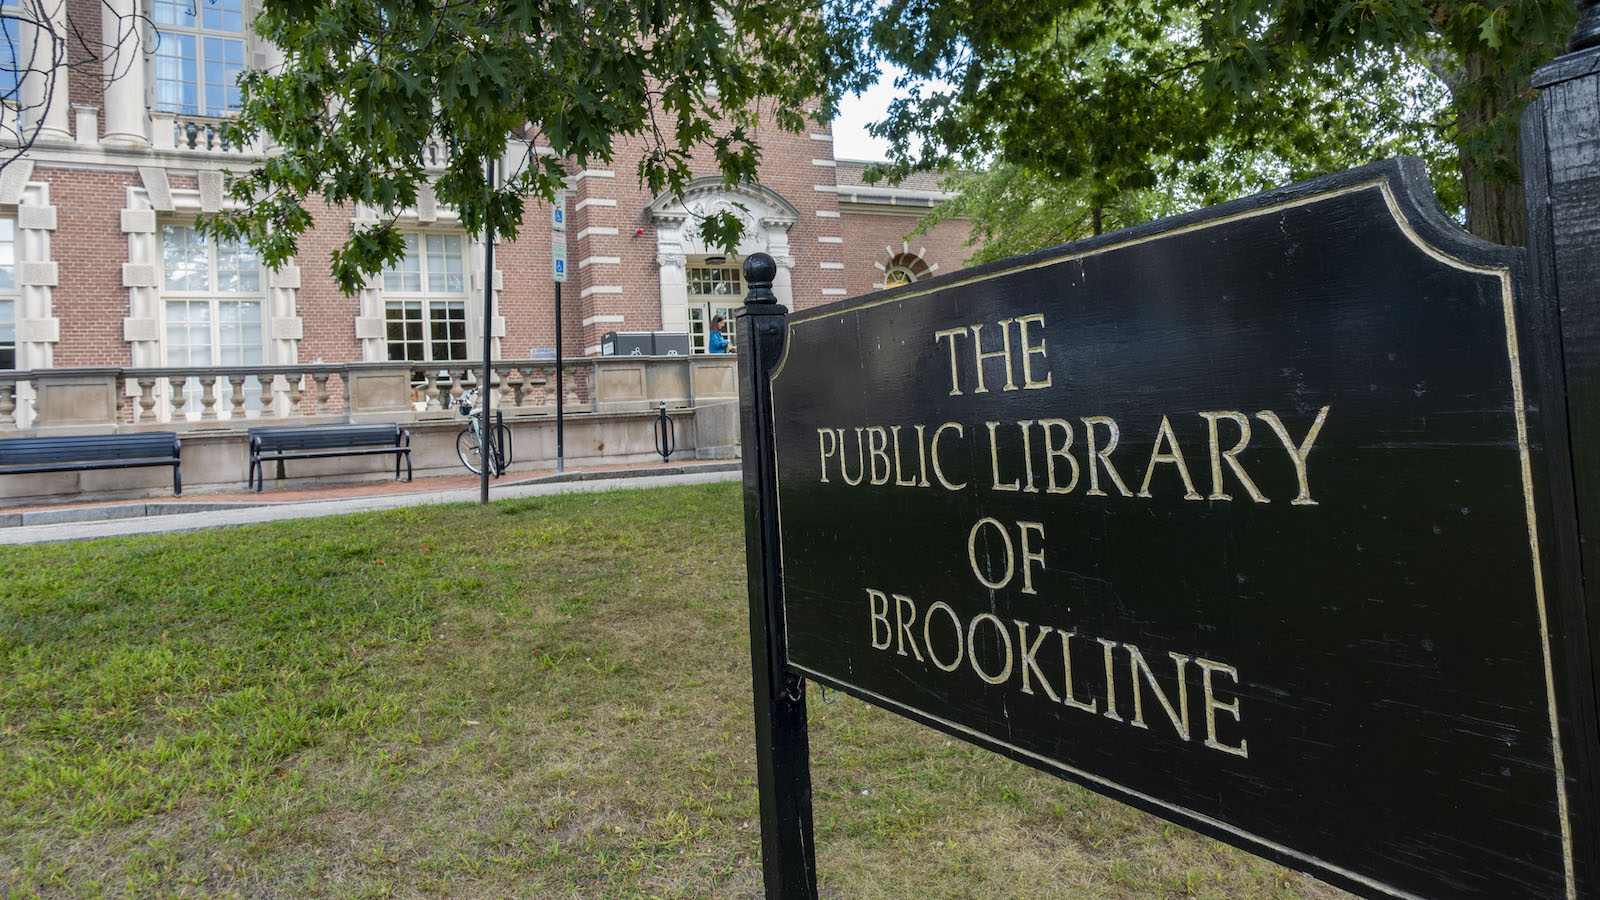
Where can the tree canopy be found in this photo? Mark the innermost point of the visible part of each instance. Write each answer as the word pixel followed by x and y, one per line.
pixel 1124 96
pixel 367 85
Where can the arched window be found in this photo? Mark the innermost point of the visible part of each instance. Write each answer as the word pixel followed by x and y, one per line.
pixel 904 268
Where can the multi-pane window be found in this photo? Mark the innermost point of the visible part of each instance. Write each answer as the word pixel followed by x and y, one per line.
pixel 713 290
pixel 199 55
pixel 11 47
pixel 8 294
pixel 425 300
pixel 213 298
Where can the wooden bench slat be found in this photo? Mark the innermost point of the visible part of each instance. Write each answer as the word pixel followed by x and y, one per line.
pixel 320 441
pixel 79 453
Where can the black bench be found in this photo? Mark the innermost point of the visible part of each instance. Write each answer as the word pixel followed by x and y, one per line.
pixel 307 441
pixel 78 453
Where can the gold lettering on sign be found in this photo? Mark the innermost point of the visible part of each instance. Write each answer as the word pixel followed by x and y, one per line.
pixel 827 445
pixel 1052 453
pixel 899 465
pixel 1029 382
pixel 878 449
pixel 994 462
pixel 1103 456
pixel 927 623
pixel 861 462
pixel 903 625
pixel 1029 663
pixel 1019 656
pixel 1174 456
pixel 1297 454
pixel 922 457
pixel 1111 680
pixel 1212 705
pixel 1067 698
pixel 938 470
pixel 881 458
pixel 952 334
pixel 972 553
pixel 1027 456
pixel 1136 665
pixel 878 609
pixel 972 647
pixel 1230 456
pixel 1029 555
pixel 979 356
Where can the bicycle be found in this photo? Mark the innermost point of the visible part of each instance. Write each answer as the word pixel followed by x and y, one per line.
pixel 469 443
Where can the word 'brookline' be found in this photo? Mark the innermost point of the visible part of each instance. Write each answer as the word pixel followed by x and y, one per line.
pixel 946 642
pixel 906 456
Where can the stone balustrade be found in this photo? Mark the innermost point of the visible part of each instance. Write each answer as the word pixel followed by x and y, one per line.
pixel 611 405
pixel 515 387
pixel 173 131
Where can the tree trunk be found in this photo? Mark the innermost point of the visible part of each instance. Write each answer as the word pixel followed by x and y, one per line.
pixel 1494 206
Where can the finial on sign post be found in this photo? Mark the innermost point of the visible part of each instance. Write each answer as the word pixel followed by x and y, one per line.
pixel 759 270
pixel 1587 34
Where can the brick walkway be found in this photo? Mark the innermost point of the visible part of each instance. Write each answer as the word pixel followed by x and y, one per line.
pixel 86 521
pixel 304 493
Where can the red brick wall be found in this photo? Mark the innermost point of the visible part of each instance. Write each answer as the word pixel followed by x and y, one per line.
pixel 85 82
pixel 329 315
pixel 787 169
pixel 869 237
pixel 89 249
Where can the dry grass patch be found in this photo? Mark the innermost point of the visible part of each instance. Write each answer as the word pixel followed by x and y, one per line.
pixel 546 699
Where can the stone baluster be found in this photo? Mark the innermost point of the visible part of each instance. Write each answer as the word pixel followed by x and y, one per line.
pixel 124 414
pixel 321 378
pixel 294 393
pixel 147 398
pixel 502 377
pixel 517 385
pixel 8 404
pixel 208 399
pixel 456 387
pixel 265 382
pixel 175 384
pixel 430 390
pixel 537 390
pixel 235 396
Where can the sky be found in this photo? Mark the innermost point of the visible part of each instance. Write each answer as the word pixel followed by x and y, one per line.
pixel 850 138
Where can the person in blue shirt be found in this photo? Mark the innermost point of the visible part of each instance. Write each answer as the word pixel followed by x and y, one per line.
pixel 717 342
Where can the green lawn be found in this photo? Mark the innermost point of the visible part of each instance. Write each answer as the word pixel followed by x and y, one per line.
pixel 547 698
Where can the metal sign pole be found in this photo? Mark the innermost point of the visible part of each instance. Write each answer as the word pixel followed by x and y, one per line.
pixel 485 458
pixel 558 270
pixel 561 462
pixel 783 748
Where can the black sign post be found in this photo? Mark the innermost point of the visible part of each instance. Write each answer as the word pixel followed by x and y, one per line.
pixel 783 764
pixel 1265 519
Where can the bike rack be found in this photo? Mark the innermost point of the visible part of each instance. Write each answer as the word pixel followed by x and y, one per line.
pixel 502 434
pixel 665 433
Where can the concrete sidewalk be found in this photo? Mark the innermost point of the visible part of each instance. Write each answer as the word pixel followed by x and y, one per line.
pixel 90 521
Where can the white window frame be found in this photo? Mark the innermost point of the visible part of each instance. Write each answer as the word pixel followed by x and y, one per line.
pixel 214 297
pixel 11 70
pixel 201 35
pixel 427 300
pixel 10 299
pixel 703 307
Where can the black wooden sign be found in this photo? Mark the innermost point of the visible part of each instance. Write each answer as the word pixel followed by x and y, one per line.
pixel 1243 518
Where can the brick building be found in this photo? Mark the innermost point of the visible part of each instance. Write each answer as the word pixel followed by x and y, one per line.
pixel 105 270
